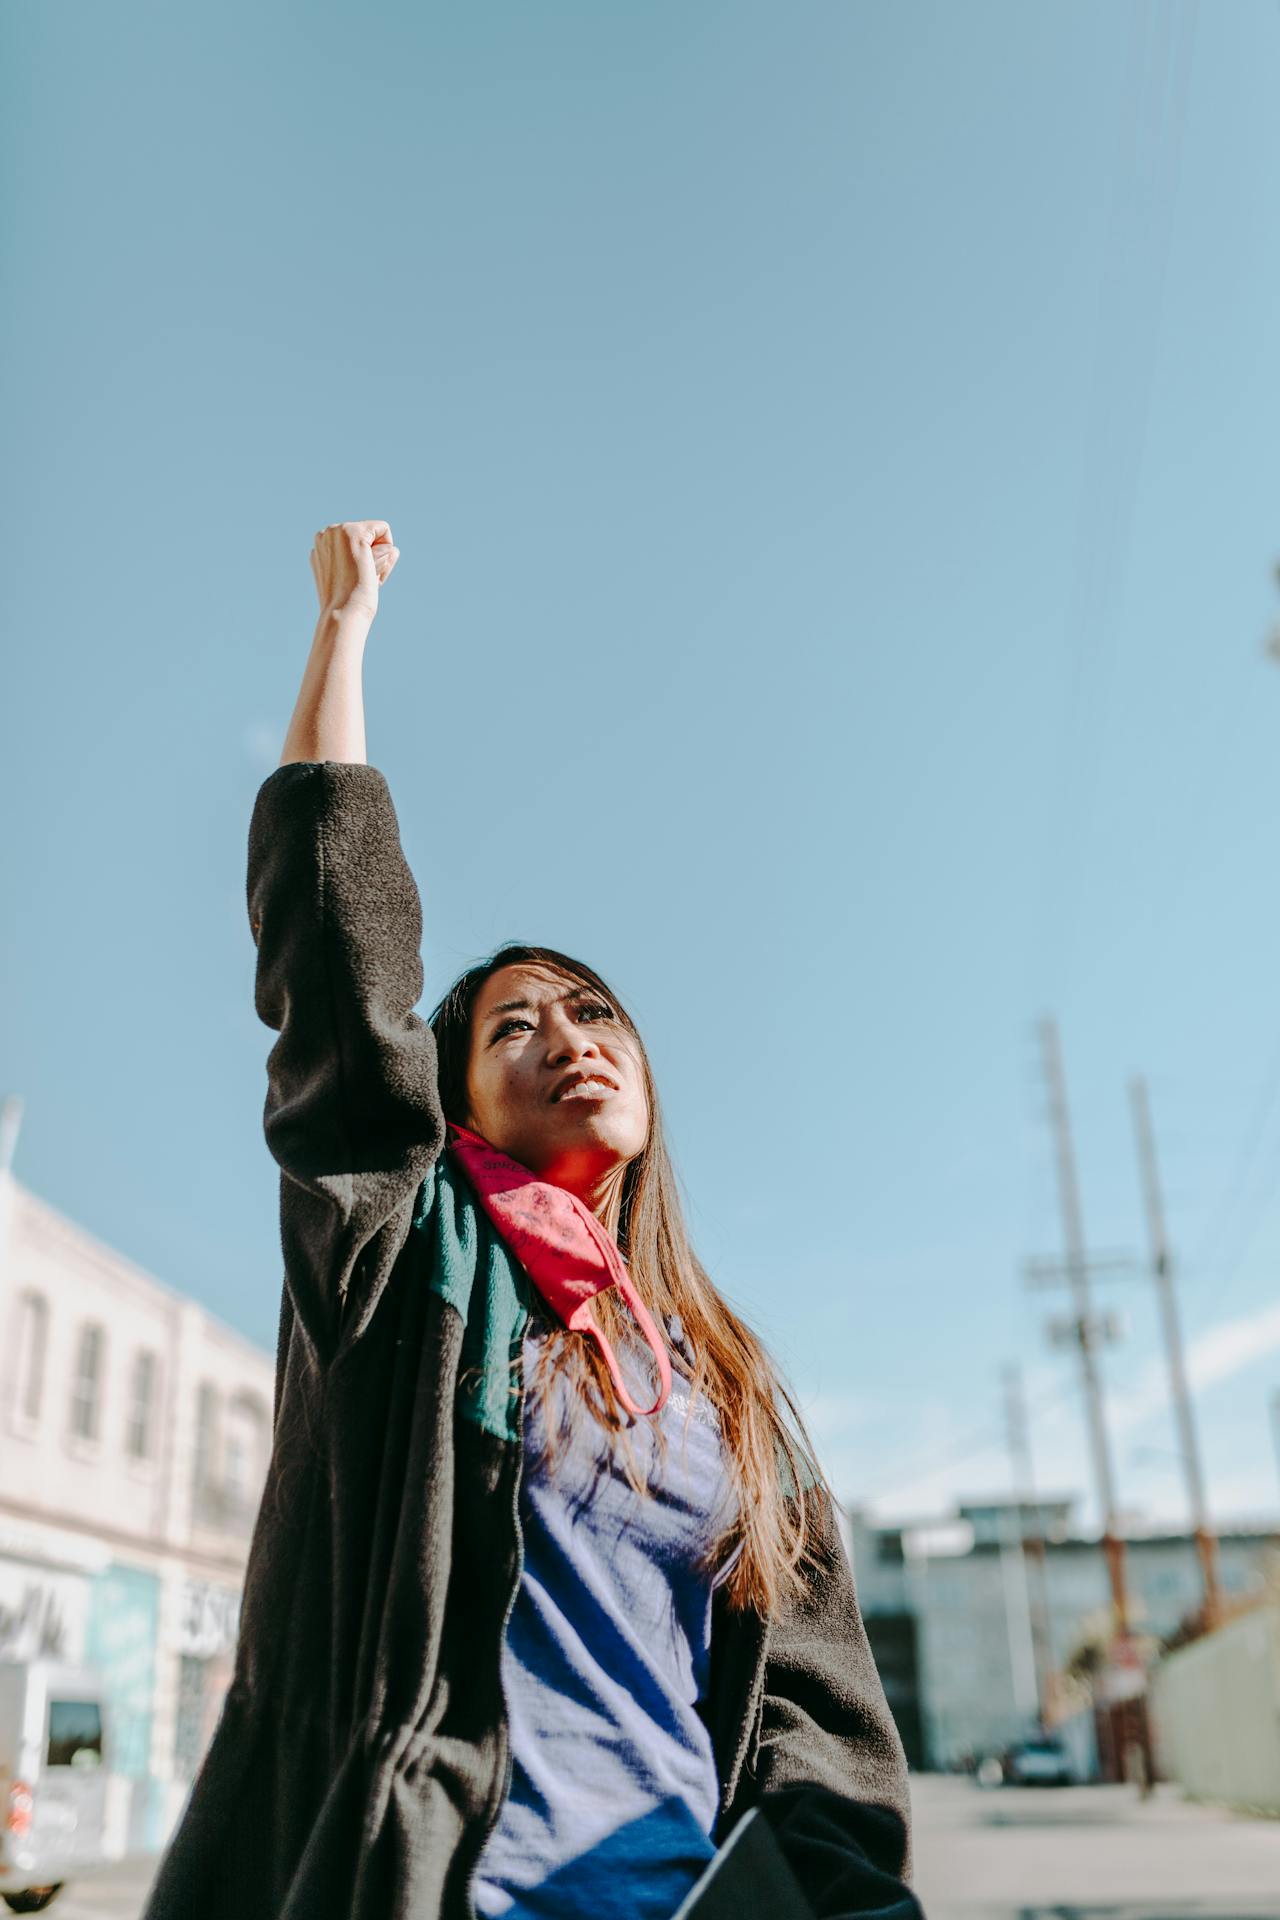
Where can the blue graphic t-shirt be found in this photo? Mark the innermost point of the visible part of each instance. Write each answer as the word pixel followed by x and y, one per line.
pixel 613 1790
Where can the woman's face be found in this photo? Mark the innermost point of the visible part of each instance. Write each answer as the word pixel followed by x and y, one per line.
pixel 538 1038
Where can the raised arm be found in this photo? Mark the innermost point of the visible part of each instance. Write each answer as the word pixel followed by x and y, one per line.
pixel 350 562
pixel 352 1111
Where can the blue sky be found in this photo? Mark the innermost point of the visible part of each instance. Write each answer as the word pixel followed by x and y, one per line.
pixel 835 453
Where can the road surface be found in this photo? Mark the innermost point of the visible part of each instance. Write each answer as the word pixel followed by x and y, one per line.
pixel 1015 1853
pixel 1088 1853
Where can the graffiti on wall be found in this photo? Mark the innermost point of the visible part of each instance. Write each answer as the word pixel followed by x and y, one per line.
pixel 34 1628
pixel 42 1613
pixel 208 1619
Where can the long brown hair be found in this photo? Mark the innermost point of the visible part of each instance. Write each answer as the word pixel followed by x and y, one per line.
pixel 770 1454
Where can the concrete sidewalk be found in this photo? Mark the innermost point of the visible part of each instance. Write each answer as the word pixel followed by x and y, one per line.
pixel 1088 1851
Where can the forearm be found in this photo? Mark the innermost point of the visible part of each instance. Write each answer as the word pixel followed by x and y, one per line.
pixel 352 1113
pixel 328 719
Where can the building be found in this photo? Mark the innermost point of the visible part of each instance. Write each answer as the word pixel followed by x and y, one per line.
pixel 135 1434
pixel 986 1628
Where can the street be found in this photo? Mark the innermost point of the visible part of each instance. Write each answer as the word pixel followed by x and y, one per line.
pixel 1079 1853
pixel 115 1894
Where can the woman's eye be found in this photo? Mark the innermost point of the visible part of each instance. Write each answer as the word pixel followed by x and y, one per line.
pixel 596 1007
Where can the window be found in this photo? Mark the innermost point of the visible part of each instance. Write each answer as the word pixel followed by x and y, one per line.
pixel 86 1394
pixel 244 1427
pixel 206 1435
pixel 33 1338
pixel 75 1734
pixel 139 1430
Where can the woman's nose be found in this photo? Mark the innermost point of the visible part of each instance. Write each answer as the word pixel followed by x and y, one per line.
pixel 570 1041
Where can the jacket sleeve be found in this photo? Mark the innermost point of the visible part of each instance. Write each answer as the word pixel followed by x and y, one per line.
pixel 830 1772
pixel 352 1112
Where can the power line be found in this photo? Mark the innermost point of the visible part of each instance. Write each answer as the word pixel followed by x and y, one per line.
pixel 1184 1415
pixel 985 1440
pixel 1084 1328
pixel 1259 1123
pixel 988 1439
pixel 1148 151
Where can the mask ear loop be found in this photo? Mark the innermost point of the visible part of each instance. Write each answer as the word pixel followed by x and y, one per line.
pixel 582 1320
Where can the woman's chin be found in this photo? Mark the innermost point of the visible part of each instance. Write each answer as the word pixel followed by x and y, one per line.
pixel 606 1137
pixel 582 1139
pixel 597 1133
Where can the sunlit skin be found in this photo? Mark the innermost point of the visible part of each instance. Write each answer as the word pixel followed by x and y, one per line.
pixel 579 1140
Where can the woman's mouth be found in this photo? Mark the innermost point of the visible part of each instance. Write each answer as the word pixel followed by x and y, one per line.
pixel 589 1089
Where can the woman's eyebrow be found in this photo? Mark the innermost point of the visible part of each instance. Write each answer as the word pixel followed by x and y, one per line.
pixel 526 1006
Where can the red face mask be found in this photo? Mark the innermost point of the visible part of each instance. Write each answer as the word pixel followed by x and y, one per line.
pixel 562 1247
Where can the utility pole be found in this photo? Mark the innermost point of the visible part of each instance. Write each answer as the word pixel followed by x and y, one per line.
pixel 1035 1571
pixel 1086 1331
pixel 1162 1271
pixel 1017 1621
pixel 1023 1669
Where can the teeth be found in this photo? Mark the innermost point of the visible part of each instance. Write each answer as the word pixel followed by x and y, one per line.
pixel 592 1080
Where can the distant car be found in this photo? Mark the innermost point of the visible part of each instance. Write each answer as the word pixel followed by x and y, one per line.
pixel 1042 1762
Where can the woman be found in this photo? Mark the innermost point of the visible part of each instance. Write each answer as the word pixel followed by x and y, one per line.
pixel 545 1592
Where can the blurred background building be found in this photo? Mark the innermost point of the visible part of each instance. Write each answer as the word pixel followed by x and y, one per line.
pixel 976 1637
pixel 135 1432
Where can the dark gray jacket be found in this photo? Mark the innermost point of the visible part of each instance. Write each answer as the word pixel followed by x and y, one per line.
pixel 361 1755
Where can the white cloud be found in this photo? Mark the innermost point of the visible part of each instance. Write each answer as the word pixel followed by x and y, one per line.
pixel 1217 1354
pixel 900 1458
pixel 1225 1350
